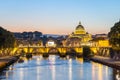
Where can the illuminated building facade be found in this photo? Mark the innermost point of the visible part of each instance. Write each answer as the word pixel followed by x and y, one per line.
pixel 79 37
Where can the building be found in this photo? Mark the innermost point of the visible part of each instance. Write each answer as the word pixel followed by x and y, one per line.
pixel 51 43
pixel 100 40
pixel 105 36
pixel 79 37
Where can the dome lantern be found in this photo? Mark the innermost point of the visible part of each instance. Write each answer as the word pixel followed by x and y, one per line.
pixel 79 26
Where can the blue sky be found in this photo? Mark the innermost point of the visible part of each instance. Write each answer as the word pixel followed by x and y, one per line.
pixel 59 16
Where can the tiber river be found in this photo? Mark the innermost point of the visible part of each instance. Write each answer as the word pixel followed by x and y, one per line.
pixel 56 68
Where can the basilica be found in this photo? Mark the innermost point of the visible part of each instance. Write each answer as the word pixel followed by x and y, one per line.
pixel 79 37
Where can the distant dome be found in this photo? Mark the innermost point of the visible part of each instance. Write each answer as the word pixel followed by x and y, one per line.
pixel 79 26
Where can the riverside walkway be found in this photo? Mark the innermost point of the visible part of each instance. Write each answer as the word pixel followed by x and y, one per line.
pixel 107 61
pixel 6 61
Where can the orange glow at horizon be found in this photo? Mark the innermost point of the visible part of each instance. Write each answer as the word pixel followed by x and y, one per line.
pixel 47 30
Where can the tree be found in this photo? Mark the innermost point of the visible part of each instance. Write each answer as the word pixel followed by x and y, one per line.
pixel 7 39
pixel 86 52
pixel 114 38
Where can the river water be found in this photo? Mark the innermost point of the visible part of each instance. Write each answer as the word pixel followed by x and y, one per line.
pixel 56 68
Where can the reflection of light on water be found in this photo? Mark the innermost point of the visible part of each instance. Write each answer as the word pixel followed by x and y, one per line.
pixel 21 73
pixel 100 72
pixel 11 67
pixel 70 69
pixel 106 71
pixel 38 73
pixel 93 71
pixel 52 59
pixel 53 72
pixel 53 69
pixel 118 75
pixel 99 68
pixel 39 58
pixel 25 59
pixel 80 60
pixel 38 62
pixel 7 75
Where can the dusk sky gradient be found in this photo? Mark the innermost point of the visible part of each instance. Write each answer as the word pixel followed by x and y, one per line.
pixel 59 16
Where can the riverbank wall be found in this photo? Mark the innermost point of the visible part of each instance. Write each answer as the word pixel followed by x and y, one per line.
pixel 106 61
pixel 7 61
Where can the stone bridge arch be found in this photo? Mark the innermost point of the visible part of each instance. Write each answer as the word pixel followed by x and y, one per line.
pixel 35 51
pixel 104 51
pixel 25 50
pixel 53 51
pixel 71 52
pixel 78 49
pixel 17 51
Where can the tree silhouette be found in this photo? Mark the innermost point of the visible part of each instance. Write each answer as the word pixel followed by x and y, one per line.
pixel 114 36
pixel 114 39
pixel 7 40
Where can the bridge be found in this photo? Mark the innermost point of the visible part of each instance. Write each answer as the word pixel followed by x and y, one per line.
pixel 49 50
pixel 104 51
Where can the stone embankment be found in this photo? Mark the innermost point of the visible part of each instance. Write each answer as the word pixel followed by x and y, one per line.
pixel 106 61
pixel 7 60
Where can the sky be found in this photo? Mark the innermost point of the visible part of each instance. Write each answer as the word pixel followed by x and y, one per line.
pixel 59 16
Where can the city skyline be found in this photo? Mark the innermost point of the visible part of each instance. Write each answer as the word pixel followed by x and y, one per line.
pixel 59 17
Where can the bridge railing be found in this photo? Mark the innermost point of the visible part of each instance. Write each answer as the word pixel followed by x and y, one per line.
pixel 22 46
pixel 49 47
pixel 29 46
